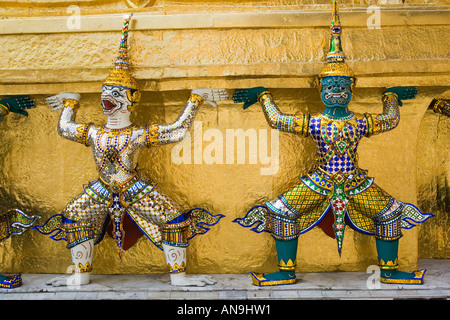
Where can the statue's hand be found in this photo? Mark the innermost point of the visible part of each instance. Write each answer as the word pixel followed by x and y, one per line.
pixel 56 102
pixel 403 93
pixel 248 96
pixel 211 95
pixel 18 104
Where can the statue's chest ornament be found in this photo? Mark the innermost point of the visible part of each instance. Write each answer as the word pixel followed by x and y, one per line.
pixel 340 138
pixel 112 143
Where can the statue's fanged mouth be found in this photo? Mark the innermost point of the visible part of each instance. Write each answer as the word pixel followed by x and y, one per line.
pixel 337 95
pixel 108 105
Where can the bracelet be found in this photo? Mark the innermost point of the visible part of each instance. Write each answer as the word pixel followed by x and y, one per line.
pixel 4 110
pixel 195 98
pixel 387 94
pixel 263 93
pixel 72 103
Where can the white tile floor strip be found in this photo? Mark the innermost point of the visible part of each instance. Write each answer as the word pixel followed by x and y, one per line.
pixel 327 285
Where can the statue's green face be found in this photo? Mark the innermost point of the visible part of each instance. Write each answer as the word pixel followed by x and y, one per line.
pixel 336 91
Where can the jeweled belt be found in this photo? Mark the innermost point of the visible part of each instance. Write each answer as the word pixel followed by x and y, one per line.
pixel 326 180
pixel 116 187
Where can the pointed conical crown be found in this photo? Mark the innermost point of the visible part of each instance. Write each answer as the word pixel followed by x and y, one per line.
pixel 336 65
pixel 120 76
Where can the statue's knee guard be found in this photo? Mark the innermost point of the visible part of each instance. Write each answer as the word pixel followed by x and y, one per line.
pixel 389 231
pixel 76 232
pixel 388 222
pixel 176 232
pixel 281 228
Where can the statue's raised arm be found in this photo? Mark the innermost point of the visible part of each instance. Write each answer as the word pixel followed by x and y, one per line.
pixel 175 131
pixel 68 128
pixel 16 105
pixel 294 123
pixel 390 118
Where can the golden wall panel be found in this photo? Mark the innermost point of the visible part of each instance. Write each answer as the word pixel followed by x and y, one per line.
pixel 40 171
pixel 433 173
pixel 215 55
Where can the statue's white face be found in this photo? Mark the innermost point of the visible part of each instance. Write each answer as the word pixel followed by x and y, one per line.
pixel 114 98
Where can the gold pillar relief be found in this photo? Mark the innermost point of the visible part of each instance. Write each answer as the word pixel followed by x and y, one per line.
pixel 140 3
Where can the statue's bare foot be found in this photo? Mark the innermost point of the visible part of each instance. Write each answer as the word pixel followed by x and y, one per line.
pixel 77 279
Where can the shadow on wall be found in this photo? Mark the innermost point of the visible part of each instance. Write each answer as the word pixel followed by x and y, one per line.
pixel 433 177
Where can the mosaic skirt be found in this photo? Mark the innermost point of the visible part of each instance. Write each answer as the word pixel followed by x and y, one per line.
pixel 15 222
pixel 90 213
pixel 362 205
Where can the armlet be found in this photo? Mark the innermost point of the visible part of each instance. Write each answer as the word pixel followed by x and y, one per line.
pixel 151 136
pixel 373 125
pixel 301 124
pixel 82 133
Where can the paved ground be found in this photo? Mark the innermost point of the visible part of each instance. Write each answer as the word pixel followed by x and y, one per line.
pixel 312 286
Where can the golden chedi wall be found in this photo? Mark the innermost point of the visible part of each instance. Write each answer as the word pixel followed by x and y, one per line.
pixel 433 173
pixel 54 46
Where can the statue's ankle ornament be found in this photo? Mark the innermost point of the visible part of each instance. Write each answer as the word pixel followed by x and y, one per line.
pixel 80 268
pixel 388 265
